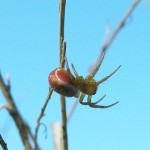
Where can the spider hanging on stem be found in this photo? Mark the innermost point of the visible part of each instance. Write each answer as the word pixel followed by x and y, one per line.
pixel 65 83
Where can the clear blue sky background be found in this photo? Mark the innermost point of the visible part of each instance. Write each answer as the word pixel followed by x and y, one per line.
pixel 29 51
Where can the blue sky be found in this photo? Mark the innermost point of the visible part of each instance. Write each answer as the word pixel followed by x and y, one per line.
pixel 29 51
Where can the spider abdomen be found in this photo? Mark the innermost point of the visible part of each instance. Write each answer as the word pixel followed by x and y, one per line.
pixel 62 82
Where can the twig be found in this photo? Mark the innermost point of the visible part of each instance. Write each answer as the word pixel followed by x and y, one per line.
pixel 62 4
pixel 72 109
pixel 40 117
pixel 62 50
pixel 120 25
pixel 63 55
pixel 114 34
pixel 24 130
pixel 45 105
pixel 64 123
pixel 2 143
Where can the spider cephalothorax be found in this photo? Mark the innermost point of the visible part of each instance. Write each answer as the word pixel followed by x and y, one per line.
pixel 86 85
pixel 65 83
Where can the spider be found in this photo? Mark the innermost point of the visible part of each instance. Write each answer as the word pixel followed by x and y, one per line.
pixel 65 83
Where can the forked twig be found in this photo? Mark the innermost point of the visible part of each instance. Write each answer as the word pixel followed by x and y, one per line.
pixel 23 127
pixel 40 117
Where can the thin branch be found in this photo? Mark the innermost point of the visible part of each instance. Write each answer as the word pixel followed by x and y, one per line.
pixel 120 25
pixel 62 51
pixel 45 105
pixel 113 36
pixel 63 104
pixel 63 55
pixel 23 127
pixel 40 117
pixel 64 123
pixel 2 143
pixel 62 5
pixel 72 109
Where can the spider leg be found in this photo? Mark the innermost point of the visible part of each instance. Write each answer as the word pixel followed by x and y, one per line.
pixel 94 105
pixel 81 99
pixel 67 66
pixel 99 100
pixel 108 76
pixel 74 70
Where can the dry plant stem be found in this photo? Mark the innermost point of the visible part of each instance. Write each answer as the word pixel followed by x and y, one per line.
pixel 2 143
pixel 63 55
pixel 24 130
pixel 44 106
pixel 64 123
pixel 40 117
pixel 62 47
pixel 72 108
pixel 62 4
pixel 118 28
pixel 62 50
pixel 121 24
